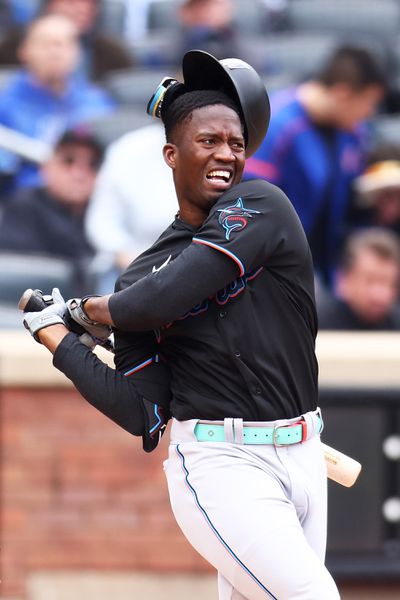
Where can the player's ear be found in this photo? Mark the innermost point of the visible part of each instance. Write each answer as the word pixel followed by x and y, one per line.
pixel 169 152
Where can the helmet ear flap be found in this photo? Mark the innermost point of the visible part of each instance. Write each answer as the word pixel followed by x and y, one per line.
pixel 167 91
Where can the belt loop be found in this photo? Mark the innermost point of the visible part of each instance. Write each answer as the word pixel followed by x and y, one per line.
pixel 321 421
pixel 310 425
pixel 228 430
pixel 313 422
pixel 238 431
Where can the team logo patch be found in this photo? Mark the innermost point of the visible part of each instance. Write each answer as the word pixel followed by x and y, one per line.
pixel 235 217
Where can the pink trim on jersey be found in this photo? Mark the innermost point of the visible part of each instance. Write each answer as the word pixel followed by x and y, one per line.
pixel 224 250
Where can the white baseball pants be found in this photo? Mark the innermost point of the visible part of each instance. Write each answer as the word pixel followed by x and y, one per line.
pixel 257 513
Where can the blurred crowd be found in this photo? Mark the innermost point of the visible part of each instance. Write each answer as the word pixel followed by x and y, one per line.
pixel 83 185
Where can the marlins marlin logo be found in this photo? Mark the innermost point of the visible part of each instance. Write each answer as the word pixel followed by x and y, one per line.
pixel 234 218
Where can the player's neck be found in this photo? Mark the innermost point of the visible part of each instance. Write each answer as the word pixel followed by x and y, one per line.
pixel 191 216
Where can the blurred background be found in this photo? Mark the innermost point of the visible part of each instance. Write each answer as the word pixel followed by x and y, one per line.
pixel 84 189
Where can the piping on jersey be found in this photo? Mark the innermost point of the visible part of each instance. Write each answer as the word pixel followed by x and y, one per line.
pixel 224 250
pixel 159 422
pixel 215 531
pixel 139 367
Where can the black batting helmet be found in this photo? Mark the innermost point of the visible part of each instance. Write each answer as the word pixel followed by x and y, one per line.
pixel 236 78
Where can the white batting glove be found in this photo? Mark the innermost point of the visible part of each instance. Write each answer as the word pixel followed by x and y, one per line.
pixel 77 313
pixel 52 315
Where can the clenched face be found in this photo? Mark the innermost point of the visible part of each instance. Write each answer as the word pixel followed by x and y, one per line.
pixel 207 157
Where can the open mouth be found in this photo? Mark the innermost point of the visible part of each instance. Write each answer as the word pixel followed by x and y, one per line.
pixel 220 176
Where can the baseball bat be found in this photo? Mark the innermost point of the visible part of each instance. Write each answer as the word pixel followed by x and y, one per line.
pixel 341 468
pixel 34 301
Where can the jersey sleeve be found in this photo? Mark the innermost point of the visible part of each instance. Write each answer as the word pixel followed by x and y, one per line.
pixel 137 398
pixel 250 224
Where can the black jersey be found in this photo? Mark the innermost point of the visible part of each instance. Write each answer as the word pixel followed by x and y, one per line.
pixel 229 307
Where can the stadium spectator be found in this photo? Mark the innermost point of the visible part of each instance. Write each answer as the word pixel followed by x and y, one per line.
pixel 16 12
pixel 203 24
pixel 208 25
pixel 49 221
pixel 132 204
pixel 377 200
pixel 367 284
pixel 44 99
pixel 316 145
pixel 100 53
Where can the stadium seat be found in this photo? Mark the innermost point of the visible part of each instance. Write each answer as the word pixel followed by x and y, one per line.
pixel 125 119
pixel 294 54
pixel 250 16
pixel 21 271
pixel 112 17
pixel 376 18
pixel 386 128
pixel 134 87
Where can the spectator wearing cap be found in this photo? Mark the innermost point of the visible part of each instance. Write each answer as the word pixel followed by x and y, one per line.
pixel 377 198
pixel 45 98
pixel 366 285
pixel 49 220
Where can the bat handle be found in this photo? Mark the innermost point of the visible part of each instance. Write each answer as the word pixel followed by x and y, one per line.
pixel 34 301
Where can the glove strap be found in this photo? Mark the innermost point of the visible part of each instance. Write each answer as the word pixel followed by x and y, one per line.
pixel 85 316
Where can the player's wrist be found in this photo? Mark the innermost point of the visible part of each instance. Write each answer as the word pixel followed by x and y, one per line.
pixel 96 309
pixel 52 336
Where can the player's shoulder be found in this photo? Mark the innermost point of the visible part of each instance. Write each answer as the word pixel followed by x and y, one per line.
pixel 255 190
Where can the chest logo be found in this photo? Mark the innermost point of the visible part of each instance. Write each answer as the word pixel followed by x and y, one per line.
pixel 156 269
pixel 235 217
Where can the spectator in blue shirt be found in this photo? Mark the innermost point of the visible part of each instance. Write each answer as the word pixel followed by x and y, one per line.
pixel 316 146
pixel 45 98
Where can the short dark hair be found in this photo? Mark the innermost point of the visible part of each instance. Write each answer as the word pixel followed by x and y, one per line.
pixel 383 243
pixel 182 108
pixel 81 136
pixel 354 66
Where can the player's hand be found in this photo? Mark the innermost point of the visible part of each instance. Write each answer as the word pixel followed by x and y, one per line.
pixel 34 301
pixel 77 313
pixel 53 314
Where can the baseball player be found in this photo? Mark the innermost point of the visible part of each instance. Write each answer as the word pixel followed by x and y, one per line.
pixel 215 325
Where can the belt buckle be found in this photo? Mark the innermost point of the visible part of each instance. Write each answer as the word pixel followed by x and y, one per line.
pixel 276 431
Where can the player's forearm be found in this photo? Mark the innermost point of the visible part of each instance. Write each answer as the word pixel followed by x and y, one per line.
pixel 106 389
pixel 164 296
pixel 97 309
pixel 52 336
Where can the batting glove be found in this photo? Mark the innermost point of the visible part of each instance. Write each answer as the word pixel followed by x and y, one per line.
pixel 98 331
pixel 51 315
pixel 34 301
